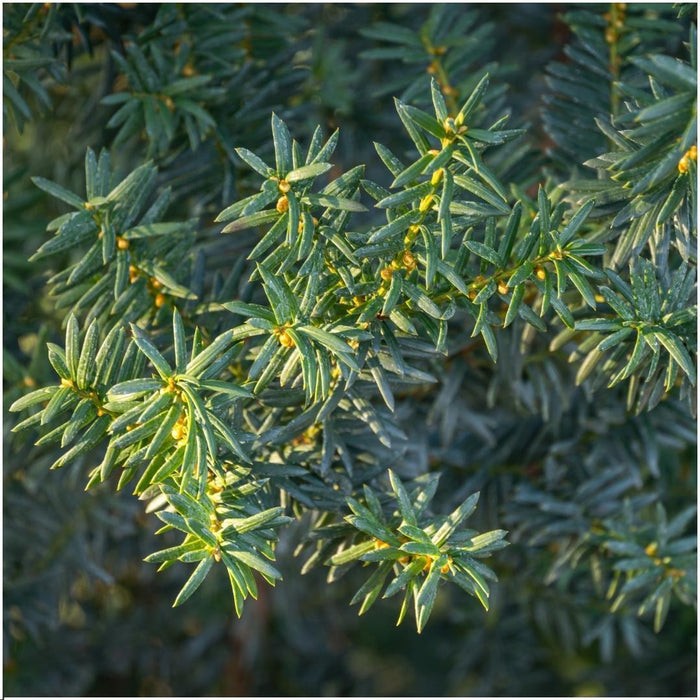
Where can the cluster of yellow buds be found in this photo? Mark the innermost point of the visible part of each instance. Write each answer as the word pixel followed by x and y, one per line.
pixel 408 260
pixel 285 339
pixel 454 126
pixel 154 287
pixel 651 550
pixel 405 260
pixel 282 204
pixel 179 431
pixel 684 162
pixel 173 388
pixel 616 21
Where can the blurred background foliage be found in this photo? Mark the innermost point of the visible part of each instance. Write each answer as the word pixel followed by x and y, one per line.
pixel 83 615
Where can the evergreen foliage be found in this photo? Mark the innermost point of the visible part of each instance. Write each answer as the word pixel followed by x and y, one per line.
pixel 397 367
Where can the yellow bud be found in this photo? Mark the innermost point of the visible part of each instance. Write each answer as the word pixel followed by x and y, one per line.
pixel 284 186
pixel 286 339
pixel 541 274
pixel 410 236
pixel 651 549
pixel 409 260
pixel 386 274
pixel 502 288
pixel 684 162
pixel 437 177
pixel 425 203
pixel 122 243
pixel 282 204
pixel 159 300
